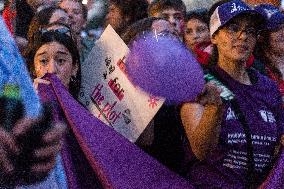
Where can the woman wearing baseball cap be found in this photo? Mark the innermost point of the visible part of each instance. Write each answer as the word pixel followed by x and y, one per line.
pixel 270 46
pixel 235 126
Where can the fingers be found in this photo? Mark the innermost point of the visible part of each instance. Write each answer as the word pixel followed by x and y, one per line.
pixel 213 88
pixel 23 125
pixel 53 141
pixel 38 81
pixel 48 152
pixel 55 134
pixel 43 167
pixel 210 95
pixel 5 164
pixel 8 141
pixel 7 145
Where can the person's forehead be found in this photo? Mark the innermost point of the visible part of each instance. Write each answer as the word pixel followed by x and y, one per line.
pixel 167 11
pixel 171 11
pixel 161 24
pixel 114 7
pixel 52 48
pixel 195 21
pixel 244 20
pixel 59 16
pixel 56 27
pixel 70 4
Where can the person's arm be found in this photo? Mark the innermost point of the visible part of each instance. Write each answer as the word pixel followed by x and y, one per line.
pixel 201 121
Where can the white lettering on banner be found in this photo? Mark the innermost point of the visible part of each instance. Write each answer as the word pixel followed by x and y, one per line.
pixel 238 160
pixel 240 138
pixel 236 8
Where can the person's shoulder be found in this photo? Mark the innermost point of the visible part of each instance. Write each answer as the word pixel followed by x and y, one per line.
pixel 265 83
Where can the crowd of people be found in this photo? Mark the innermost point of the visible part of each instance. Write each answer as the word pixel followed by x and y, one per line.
pixel 228 137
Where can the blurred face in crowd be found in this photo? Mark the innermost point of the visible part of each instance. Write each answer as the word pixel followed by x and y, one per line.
pixel 55 58
pixel 114 17
pixel 276 41
pixel 236 40
pixel 59 16
pixel 175 18
pixel 196 32
pixel 75 11
pixel 37 3
pixel 163 26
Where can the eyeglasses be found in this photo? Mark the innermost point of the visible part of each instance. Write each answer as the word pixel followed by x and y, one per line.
pixel 62 30
pixel 237 29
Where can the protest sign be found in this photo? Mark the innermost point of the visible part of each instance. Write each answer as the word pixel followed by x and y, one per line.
pixel 107 92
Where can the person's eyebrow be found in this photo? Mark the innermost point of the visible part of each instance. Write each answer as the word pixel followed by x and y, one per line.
pixel 177 13
pixel 40 54
pixel 62 52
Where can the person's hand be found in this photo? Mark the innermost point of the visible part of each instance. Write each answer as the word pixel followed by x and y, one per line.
pixel 45 154
pixel 8 147
pixel 38 81
pixel 53 140
pixel 210 95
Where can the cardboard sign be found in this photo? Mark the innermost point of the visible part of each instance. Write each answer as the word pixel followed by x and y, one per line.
pixel 107 92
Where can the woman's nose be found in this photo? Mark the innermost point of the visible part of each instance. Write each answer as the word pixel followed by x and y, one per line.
pixel 52 68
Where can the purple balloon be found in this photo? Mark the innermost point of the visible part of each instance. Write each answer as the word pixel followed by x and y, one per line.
pixel 163 66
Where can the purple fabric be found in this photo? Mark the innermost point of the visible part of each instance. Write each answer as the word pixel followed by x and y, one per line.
pixel 116 162
pixel 47 95
pixel 262 106
pixel 276 177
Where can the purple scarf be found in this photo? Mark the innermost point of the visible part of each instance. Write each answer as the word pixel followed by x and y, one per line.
pixel 96 152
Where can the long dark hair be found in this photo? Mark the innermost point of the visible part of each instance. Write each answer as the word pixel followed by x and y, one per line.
pixel 52 36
